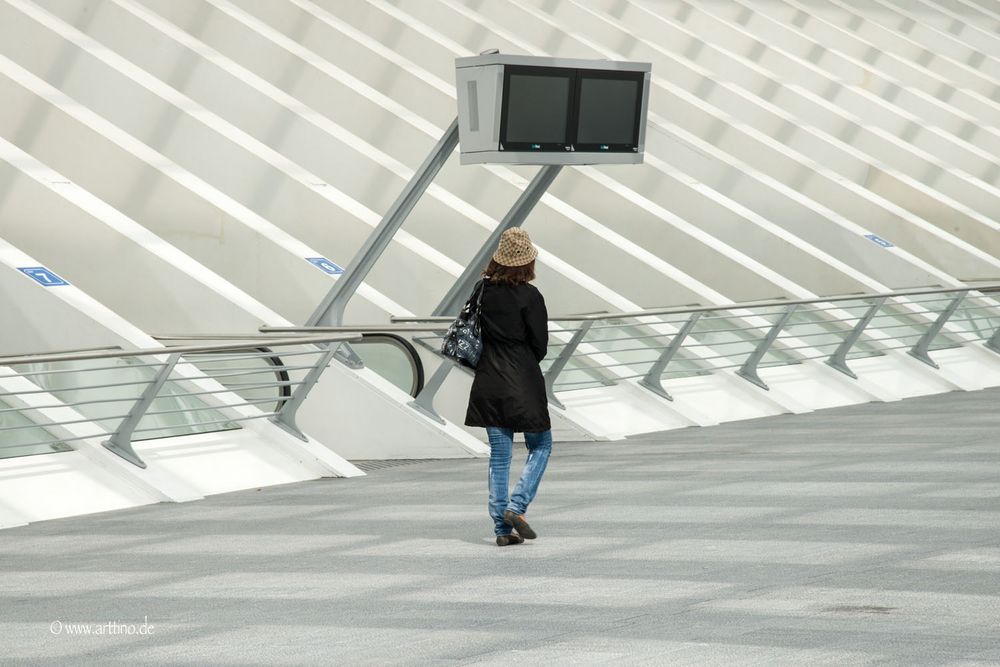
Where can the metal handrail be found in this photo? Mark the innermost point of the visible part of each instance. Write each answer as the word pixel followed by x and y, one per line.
pixel 120 439
pixel 682 310
pixel 44 358
pixel 363 328
pixel 778 338
pixel 75 349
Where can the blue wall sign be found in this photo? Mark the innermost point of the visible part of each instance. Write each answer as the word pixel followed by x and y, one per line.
pixel 879 240
pixel 42 276
pixel 323 264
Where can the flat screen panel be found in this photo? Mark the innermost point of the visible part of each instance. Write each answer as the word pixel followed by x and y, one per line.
pixel 536 108
pixel 609 111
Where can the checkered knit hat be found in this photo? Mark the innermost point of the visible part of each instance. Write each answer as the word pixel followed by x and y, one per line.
pixel 515 248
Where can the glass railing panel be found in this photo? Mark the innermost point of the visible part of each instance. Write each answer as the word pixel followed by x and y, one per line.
pixel 19 436
pixel 576 375
pixel 103 390
pixel 253 374
pixel 583 370
pixel 394 359
pixel 686 364
pixel 978 316
pixel 660 334
pixel 628 342
pixel 729 339
pixel 904 322
pixel 620 349
pixel 815 331
pixel 951 335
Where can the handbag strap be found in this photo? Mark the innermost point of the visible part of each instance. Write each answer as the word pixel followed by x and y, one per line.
pixel 474 306
pixel 479 301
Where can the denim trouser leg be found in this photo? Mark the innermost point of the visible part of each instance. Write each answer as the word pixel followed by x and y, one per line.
pixel 539 446
pixel 501 446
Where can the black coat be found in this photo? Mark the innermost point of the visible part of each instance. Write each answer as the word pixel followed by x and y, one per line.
pixel 508 391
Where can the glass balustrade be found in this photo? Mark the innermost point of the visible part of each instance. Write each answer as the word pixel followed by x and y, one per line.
pixel 19 436
pixel 815 331
pixel 727 338
pixel 615 349
pixel 257 375
pixel 976 317
pixel 103 391
pixel 652 346
pixel 118 397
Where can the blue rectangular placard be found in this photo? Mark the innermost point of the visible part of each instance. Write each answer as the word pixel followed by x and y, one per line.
pixel 42 276
pixel 879 241
pixel 325 265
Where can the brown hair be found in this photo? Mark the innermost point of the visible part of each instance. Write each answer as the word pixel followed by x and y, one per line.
pixel 510 275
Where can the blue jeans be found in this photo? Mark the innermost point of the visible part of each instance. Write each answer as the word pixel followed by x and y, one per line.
pixel 501 448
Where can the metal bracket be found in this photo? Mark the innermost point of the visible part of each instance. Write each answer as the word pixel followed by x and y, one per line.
pixel 920 350
pixel 838 359
pixel 424 402
pixel 748 371
pixel 120 441
pixel 285 418
pixel 346 355
pixel 652 380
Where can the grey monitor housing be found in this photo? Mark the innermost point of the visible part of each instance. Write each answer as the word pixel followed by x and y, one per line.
pixel 551 111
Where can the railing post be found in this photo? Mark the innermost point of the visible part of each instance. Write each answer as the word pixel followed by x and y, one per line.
pixel 652 380
pixel 285 417
pixel 459 292
pixel 748 371
pixel 424 402
pixel 994 342
pixel 120 441
pixel 557 366
pixel 838 359
pixel 920 350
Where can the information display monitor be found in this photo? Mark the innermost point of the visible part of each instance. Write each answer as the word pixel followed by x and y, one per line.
pixel 530 110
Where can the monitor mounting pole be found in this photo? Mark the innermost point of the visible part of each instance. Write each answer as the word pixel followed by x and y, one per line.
pixel 330 311
pixel 459 292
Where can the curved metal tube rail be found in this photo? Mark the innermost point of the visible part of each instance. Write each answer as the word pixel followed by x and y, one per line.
pixel 366 335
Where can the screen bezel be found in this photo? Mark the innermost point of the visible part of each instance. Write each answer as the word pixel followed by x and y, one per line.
pixel 571 105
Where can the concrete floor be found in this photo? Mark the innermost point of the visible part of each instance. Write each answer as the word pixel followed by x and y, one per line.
pixel 858 536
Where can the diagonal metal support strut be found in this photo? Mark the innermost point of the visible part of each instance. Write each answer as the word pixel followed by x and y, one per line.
pixel 518 213
pixel 330 311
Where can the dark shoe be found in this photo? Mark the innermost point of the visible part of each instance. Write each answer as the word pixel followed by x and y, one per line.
pixel 505 540
pixel 519 524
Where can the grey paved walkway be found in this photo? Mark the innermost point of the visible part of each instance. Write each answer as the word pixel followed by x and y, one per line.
pixel 866 535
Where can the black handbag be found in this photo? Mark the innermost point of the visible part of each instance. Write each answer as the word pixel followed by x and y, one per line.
pixel 463 341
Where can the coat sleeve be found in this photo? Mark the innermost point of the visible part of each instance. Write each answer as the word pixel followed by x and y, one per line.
pixel 536 319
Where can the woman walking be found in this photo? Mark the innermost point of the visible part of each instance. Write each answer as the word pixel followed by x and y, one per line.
pixel 508 393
